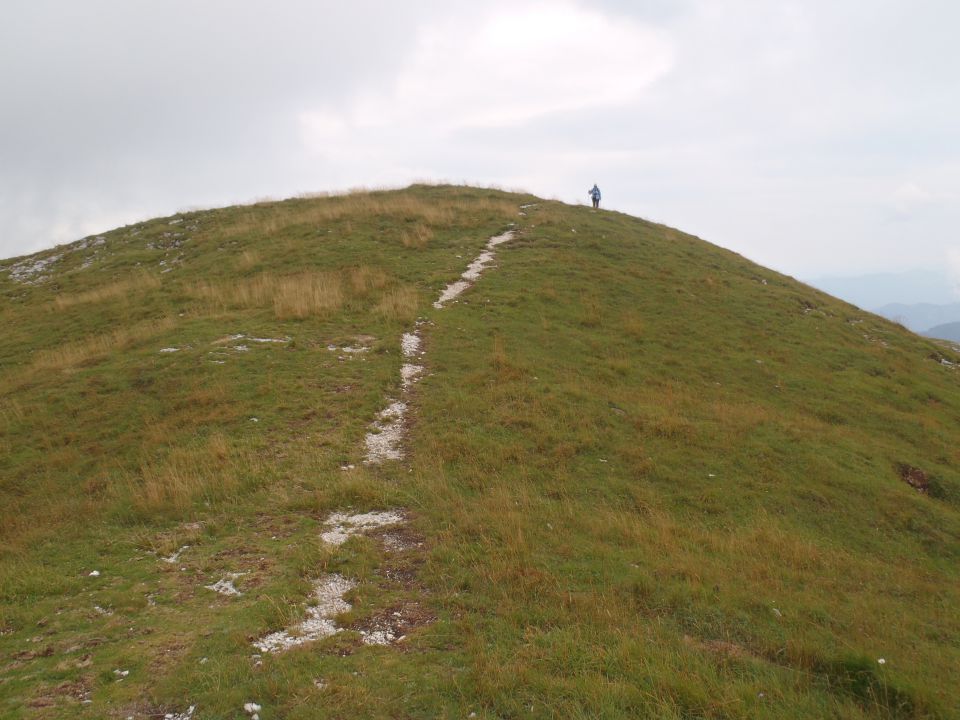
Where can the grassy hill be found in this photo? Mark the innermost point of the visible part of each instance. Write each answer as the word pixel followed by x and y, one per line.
pixel 642 476
pixel 946 331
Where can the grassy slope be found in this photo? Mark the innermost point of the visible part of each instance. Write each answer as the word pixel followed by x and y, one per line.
pixel 652 479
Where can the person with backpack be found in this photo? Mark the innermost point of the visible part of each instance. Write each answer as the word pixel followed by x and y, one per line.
pixel 595 196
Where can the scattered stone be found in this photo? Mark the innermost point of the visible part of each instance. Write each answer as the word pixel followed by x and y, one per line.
pixel 30 271
pixel 176 556
pixel 346 526
pixel 378 637
pixel 391 626
pixel 350 350
pixel 225 586
pixel 384 442
pixel 328 593
pixel 398 542
pixel 410 344
pixel 409 374
pixel 473 271
pixel 228 339
pixel 169 350
pixel 188 715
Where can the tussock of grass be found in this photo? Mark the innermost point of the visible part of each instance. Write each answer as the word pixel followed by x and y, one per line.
pixel 425 215
pixel 417 237
pixel 399 304
pixel 248 260
pixel 186 476
pixel 295 296
pixel 69 355
pixel 365 279
pixel 140 282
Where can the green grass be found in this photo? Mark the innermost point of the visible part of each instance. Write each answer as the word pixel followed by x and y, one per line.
pixel 651 479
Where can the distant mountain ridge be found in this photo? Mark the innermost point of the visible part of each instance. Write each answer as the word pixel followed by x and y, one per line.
pixel 947 331
pixel 920 300
pixel 921 317
pixel 879 289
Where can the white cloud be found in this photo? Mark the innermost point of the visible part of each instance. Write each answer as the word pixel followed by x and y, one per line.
pixel 910 196
pixel 501 66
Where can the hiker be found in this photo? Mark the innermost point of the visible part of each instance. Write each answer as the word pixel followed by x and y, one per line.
pixel 595 196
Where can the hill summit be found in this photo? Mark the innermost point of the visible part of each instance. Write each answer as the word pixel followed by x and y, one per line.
pixel 451 452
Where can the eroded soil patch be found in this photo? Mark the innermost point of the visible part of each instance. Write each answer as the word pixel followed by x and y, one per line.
pixel 914 477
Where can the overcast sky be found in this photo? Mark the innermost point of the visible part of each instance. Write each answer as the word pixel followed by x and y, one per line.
pixel 814 136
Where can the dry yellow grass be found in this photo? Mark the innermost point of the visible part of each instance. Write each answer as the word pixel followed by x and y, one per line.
pixel 248 260
pixel 11 411
pixel 69 355
pixel 206 472
pixel 295 296
pixel 399 303
pixel 218 447
pixel 301 296
pixel 417 237
pixel 140 282
pixel 271 219
pixel 183 478
pixel 364 279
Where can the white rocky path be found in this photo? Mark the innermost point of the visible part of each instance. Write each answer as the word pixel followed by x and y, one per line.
pixel 385 438
pixel 382 443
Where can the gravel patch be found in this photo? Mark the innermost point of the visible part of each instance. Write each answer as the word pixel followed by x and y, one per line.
pixel 328 593
pixel 343 526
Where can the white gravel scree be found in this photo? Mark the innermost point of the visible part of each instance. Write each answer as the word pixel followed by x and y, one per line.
pixel 384 440
pixel 344 526
pixel 328 592
pixel 473 271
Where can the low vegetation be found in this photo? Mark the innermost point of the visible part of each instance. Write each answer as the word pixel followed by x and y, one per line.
pixel 644 477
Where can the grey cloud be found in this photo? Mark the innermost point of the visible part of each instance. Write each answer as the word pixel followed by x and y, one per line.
pixel 783 130
pixel 113 104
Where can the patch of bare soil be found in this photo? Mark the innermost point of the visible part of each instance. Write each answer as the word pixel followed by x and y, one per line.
pixel 393 624
pixel 721 647
pixel 74 690
pixel 914 477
